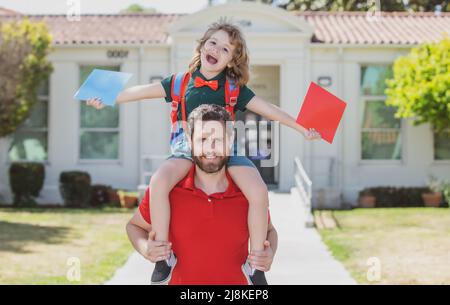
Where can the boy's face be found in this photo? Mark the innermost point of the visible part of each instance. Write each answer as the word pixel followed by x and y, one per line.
pixel 217 52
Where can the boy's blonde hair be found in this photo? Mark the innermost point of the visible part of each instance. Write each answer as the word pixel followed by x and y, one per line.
pixel 239 70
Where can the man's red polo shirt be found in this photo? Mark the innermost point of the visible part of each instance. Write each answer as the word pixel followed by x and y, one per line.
pixel 209 234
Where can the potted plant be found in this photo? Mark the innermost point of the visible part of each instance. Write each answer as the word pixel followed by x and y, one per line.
pixel 127 199
pixel 366 199
pixel 446 192
pixel 113 196
pixel 433 197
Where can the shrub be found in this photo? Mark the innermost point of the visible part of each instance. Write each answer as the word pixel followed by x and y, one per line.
pixel 100 194
pixel 75 188
pixel 365 192
pixel 387 196
pixel 26 180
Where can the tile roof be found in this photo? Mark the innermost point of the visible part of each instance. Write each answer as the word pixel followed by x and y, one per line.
pixel 5 11
pixel 106 29
pixel 329 27
pixel 389 28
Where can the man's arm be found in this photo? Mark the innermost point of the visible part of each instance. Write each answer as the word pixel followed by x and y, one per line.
pixel 142 238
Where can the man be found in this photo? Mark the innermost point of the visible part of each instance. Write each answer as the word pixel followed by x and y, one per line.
pixel 208 228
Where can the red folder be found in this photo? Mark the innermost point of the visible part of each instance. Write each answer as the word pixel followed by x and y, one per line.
pixel 322 111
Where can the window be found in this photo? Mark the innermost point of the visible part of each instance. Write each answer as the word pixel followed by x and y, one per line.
pixel 380 130
pixel 99 129
pixel 30 141
pixel 442 145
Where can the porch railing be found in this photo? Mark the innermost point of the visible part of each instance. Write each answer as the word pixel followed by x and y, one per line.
pixel 304 188
pixel 149 164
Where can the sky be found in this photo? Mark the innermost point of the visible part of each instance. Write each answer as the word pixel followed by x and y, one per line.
pixel 101 6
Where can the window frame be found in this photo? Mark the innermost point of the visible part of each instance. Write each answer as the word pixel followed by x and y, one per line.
pixel 376 98
pixel 47 130
pixel 434 160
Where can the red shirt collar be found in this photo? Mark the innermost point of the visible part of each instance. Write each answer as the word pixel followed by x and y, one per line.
pixel 189 183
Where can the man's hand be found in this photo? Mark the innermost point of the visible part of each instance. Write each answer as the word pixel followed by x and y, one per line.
pixel 262 260
pixel 157 250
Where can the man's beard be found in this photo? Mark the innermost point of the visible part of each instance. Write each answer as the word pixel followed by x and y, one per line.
pixel 209 166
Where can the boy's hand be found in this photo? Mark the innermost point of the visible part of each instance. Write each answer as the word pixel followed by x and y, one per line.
pixel 310 134
pixel 96 103
pixel 157 250
pixel 262 260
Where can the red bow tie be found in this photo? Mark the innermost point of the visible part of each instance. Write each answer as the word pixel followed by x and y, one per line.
pixel 199 82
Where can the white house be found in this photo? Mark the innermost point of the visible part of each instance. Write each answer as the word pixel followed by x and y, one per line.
pixel 349 53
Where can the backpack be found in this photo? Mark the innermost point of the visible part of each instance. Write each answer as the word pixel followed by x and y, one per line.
pixel 178 93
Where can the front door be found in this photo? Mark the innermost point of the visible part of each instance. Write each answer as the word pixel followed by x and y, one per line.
pixel 265 82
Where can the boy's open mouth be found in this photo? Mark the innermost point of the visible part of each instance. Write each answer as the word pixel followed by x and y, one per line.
pixel 210 59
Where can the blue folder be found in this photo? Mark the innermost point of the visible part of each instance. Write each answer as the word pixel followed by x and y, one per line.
pixel 103 84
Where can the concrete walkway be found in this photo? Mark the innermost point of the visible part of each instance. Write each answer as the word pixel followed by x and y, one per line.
pixel 302 258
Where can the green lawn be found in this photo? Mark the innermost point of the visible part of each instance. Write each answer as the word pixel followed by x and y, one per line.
pixel 35 244
pixel 412 244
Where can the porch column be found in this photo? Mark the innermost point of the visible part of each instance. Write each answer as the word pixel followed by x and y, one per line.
pixel 293 88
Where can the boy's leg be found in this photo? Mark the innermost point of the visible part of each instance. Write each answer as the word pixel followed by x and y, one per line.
pixel 248 179
pixel 255 190
pixel 161 183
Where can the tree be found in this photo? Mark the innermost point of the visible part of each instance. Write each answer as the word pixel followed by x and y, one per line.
pixel 360 5
pixel 420 87
pixel 427 5
pixel 24 47
pixel 136 8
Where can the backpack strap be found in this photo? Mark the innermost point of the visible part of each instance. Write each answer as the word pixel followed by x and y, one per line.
pixel 178 92
pixel 231 95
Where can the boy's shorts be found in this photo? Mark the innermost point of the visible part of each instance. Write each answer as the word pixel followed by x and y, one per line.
pixel 180 148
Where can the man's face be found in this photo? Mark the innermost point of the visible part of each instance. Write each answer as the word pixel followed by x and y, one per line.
pixel 210 146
